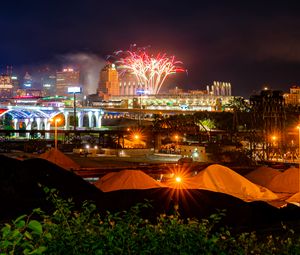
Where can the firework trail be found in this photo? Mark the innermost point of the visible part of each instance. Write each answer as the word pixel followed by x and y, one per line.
pixel 150 71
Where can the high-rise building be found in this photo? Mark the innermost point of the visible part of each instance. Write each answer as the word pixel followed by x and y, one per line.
pixel 27 81
pixel 6 86
pixel 48 82
pixel 109 81
pixel 66 78
pixel 16 83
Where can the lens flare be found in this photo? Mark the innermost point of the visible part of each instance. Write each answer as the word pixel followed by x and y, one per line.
pixel 178 179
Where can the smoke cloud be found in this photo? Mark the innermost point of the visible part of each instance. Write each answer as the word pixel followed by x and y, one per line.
pixel 89 66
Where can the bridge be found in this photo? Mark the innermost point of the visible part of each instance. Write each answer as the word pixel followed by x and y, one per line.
pixel 39 118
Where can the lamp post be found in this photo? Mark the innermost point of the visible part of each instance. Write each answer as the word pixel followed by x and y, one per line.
pixel 274 138
pixel 74 106
pixel 56 120
pixel 74 91
pixel 140 92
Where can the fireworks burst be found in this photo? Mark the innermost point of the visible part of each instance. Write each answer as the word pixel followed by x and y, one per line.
pixel 150 71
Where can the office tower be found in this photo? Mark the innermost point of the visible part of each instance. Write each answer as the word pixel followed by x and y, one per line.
pixel 66 78
pixel 6 86
pixel 48 82
pixel 109 81
pixel 27 81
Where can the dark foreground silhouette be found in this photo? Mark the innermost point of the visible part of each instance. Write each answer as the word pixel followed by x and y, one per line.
pixel 20 192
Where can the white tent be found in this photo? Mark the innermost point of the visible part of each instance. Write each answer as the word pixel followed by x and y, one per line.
pixel 224 180
pixel 127 179
pixel 57 157
pixel 262 175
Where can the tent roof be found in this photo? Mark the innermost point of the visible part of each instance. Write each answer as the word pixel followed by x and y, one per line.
pixel 286 182
pixel 295 199
pixel 57 157
pixel 219 178
pixel 127 179
pixel 262 175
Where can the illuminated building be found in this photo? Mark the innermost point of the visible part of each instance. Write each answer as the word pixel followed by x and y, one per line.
pixel 48 84
pixel 23 100
pixel 15 82
pixel 129 85
pixel 292 98
pixel 185 101
pixel 55 101
pixel 6 86
pixel 108 82
pixel 29 92
pixel 214 98
pixel 66 78
pixel 27 81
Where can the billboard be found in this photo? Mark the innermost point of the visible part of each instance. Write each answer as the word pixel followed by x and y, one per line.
pixel 74 90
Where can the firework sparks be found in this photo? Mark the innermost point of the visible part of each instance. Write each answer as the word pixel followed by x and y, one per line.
pixel 150 71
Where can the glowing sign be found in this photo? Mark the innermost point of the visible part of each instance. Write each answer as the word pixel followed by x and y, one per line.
pixel 140 91
pixel 74 90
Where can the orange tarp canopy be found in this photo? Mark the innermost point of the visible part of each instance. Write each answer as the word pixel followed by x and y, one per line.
pixel 57 157
pixel 221 179
pixel 127 179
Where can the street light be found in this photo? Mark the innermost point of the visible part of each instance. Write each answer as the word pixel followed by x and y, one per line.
pixel 140 92
pixel 56 120
pixel 274 139
pixel 74 91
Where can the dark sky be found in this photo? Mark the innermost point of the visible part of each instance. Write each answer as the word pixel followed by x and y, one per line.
pixel 248 43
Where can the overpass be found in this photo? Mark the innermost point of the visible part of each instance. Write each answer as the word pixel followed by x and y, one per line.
pixel 39 118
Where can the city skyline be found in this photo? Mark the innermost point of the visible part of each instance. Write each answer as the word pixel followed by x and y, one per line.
pixel 247 44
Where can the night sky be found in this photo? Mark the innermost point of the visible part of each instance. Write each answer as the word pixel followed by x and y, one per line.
pixel 249 43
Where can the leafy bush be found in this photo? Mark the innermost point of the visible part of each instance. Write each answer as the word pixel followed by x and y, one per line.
pixel 69 231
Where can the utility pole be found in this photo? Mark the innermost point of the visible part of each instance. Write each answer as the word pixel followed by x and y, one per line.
pixel 74 91
pixel 74 106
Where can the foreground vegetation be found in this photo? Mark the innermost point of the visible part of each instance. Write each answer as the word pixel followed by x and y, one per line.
pixel 84 231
